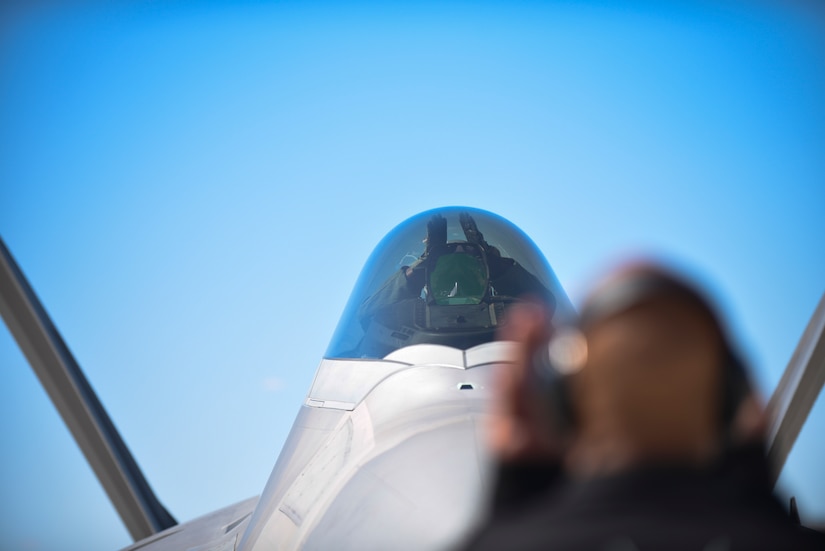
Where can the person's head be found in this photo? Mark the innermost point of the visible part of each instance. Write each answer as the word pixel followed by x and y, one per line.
pixel 457 273
pixel 660 381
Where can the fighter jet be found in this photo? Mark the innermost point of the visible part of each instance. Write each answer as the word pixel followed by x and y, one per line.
pixel 387 450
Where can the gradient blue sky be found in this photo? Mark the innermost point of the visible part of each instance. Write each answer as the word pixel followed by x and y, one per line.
pixel 192 189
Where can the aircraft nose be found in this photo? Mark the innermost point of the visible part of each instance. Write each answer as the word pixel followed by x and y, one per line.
pixel 423 481
pixel 406 468
pixel 422 493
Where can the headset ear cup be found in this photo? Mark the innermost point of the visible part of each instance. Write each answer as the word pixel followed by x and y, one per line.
pixel 554 388
pixel 560 401
pixel 566 411
pixel 735 390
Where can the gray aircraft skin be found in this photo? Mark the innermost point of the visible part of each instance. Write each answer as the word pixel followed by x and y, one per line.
pixel 388 450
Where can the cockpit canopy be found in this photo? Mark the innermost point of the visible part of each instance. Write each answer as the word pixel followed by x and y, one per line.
pixel 445 276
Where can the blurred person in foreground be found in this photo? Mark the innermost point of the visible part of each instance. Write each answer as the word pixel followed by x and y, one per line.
pixel 637 429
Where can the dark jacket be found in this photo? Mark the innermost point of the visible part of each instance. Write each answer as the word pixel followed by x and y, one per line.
pixel 726 507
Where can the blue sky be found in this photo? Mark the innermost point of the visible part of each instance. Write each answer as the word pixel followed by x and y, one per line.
pixel 192 189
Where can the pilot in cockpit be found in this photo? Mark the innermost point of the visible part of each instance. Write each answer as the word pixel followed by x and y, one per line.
pixel 454 294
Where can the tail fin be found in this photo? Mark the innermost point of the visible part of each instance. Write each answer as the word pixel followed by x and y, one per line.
pixel 797 390
pixel 77 403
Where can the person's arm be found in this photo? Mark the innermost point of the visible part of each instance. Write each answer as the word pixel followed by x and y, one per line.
pixel 521 439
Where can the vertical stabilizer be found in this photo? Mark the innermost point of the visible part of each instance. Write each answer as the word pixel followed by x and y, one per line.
pixel 797 390
pixel 77 404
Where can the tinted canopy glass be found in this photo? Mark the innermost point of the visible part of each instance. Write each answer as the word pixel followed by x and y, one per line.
pixel 445 276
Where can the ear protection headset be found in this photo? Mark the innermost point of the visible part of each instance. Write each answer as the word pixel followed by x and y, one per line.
pixel 566 351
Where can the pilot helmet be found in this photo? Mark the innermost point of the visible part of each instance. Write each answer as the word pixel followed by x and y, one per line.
pixel 457 273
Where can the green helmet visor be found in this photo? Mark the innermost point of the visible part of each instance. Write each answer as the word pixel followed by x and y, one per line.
pixel 458 278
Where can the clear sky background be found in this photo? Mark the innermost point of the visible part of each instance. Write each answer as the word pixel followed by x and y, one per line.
pixel 192 189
